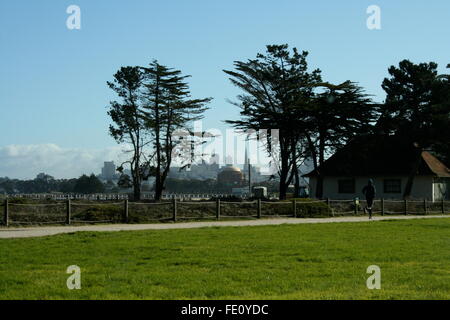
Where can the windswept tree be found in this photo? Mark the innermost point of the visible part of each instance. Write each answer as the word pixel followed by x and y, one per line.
pixel 155 105
pixel 275 85
pixel 129 126
pixel 337 114
pixel 167 109
pixel 417 109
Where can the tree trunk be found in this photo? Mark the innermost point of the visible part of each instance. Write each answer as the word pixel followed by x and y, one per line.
pixel 158 187
pixel 284 171
pixel 319 186
pixel 312 150
pixel 283 190
pixel 158 192
pixel 136 182
pixel 137 192
pixel 412 174
pixel 297 182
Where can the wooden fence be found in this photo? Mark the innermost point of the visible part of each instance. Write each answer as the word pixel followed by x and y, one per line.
pixel 175 210
pixel 117 196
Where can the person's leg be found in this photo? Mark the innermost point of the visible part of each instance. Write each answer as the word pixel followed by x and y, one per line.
pixel 369 207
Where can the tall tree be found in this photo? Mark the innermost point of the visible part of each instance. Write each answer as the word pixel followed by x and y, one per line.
pixel 275 84
pixel 336 114
pixel 129 126
pixel 442 148
pixel 417 108
pixel 168 107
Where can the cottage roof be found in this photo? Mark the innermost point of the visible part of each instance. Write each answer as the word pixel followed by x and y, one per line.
pixel 372 156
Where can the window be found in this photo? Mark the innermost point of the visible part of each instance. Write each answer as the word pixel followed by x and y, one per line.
pixel 392 186
pixel 346 186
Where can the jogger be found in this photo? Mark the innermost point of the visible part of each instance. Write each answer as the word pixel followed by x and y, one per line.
pixel 369 192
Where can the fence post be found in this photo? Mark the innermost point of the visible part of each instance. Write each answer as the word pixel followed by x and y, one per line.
pixel 218 209
pixel 406 206
pixel 174 209
pixel 425 209
pixel 125 210
pixel 328 205
pixel 259 209
pixel 442 205
pixel 5 217
pixel 68 211
pixel 382 206
pixel 294 207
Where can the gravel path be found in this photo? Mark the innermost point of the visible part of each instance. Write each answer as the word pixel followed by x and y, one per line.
pixel 52 230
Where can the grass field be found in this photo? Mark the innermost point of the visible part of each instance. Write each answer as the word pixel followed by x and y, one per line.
pixel 314 261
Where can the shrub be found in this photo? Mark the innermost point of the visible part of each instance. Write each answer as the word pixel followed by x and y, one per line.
pixel 99 213
pixel 307 209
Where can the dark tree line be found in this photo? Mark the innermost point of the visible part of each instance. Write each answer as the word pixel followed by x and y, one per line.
pixel 83 185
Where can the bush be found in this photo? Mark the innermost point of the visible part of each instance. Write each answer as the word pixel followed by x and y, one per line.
pixel 98 213
pixel 307 209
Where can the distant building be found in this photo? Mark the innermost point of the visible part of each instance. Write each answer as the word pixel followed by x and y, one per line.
pixel 109 171
pixel 201 171
pixel 386 160
pixel 231 177
pixel 252 172
pixel 211 169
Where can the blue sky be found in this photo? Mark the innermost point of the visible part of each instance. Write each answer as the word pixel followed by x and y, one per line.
pixel 53 80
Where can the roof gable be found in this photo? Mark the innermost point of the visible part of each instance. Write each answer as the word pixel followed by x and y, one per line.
pixel 436 166
pixel 374 155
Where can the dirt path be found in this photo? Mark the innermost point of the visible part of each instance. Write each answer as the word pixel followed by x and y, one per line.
pixel 12 232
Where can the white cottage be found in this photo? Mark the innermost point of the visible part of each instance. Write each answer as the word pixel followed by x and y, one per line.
pixel 386 162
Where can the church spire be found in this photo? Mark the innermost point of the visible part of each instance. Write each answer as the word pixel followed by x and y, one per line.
pixel 246 157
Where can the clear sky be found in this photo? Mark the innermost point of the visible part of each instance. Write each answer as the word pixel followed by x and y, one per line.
pixel 54 97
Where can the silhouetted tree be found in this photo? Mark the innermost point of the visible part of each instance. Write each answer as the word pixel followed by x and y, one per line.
pixel 337 114
pixel 129 125
pixel 276 87
pixel 167 108
pixel 417 108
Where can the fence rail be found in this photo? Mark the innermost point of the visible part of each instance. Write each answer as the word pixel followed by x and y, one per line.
pixel 72 211
pixel 117 196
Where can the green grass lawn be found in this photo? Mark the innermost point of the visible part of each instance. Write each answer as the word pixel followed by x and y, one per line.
pixel 311 261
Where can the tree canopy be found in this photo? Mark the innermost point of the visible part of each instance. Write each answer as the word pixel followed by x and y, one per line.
pixel 155 104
